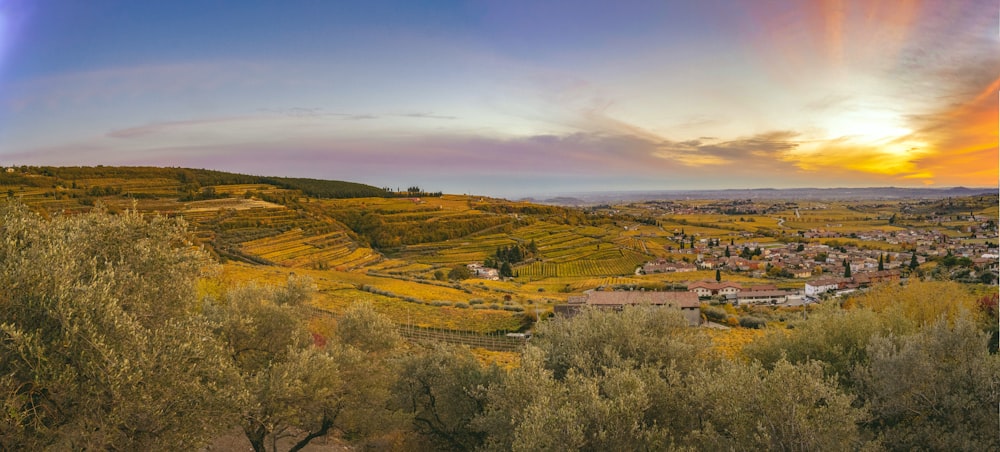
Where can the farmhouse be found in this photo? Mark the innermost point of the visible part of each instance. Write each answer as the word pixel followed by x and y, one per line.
pixel 664 266
pixel 479 271
pixel 687 302
pixel 758 297
pixel 821 286
pixel 710 288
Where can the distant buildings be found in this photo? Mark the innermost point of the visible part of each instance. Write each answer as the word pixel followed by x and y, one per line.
pixel 711 288
pixel 736 294
pixel 479 271
pixel 665 266
pixel 822 286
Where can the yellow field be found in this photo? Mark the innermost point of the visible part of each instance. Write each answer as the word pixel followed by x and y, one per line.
pixel 729 343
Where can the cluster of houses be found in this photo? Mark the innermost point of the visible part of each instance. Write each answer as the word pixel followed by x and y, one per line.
pixel 808 260
pixel 840 286
pixel 736 294
pixel 665 266
pixel 730 292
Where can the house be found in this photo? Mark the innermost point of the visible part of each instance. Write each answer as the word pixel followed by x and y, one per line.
pixel 709 263
pixel 985 263
pixel 479 271
pixel 801 272
pixel 758 297
pixel 820 286
pixel 710 288
pixel 664 266
pixel 687 302
pixel 868 278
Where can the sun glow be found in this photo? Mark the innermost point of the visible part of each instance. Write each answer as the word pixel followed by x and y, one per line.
pixel 868 128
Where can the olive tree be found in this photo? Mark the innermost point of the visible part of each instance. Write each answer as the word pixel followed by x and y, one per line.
pixel 937 389
pixel 442 389
pixel 744 406
pixel 100 347
pixel 295 390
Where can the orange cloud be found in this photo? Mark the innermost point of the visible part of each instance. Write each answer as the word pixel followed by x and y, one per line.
pixel 963 141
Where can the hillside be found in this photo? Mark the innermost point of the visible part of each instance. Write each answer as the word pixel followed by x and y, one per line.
pixel 403 251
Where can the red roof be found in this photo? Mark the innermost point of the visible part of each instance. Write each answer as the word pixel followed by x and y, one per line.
pixel 711 285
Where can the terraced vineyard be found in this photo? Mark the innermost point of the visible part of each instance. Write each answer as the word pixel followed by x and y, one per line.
pixel 597 264
pixel 297 248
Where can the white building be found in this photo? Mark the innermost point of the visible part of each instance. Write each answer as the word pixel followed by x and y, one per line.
pixel 821 286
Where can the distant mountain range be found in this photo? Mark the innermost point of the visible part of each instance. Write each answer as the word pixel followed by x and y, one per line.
pixel 867 193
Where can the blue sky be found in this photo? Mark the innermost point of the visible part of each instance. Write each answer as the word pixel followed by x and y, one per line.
pixel 511 98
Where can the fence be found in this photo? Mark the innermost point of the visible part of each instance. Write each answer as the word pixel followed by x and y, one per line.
pixel 498 341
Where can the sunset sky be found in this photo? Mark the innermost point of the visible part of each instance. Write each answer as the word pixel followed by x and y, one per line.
pixel 511 97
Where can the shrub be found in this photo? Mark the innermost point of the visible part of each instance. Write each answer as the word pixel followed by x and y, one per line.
pixel 752 322
pixel 714 314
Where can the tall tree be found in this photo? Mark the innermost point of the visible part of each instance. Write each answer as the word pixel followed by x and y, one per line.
pixel 506 270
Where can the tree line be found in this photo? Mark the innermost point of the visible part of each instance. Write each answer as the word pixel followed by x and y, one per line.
pixel 192 180
pixel 506 257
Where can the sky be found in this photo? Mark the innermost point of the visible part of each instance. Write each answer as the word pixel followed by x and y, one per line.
pixel 512 98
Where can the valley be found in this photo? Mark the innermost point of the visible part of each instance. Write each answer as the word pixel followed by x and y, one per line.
pixel 400 251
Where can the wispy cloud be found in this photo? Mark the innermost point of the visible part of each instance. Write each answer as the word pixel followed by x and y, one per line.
pixel 172 126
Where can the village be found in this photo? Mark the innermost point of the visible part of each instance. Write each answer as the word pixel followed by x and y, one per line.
pixel 825 270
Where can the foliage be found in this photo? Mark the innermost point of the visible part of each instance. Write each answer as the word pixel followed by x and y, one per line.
pixel 629 395
pixel 742 406
pixel 919 303
pixel 327 188
pixel 443 389
pixel 837 338
pixel 99 343
pixel 294 389
pixel 594 339
pixel 752 322
pixel 459 272
pixel 935 389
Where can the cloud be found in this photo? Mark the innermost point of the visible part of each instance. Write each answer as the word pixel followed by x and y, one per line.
pixel 768 149
pixel 427 115
pixel 172 126
pixel 320 112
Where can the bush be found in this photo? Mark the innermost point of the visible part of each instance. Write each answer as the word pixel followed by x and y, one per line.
pixel 752 322
pixel 714 314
